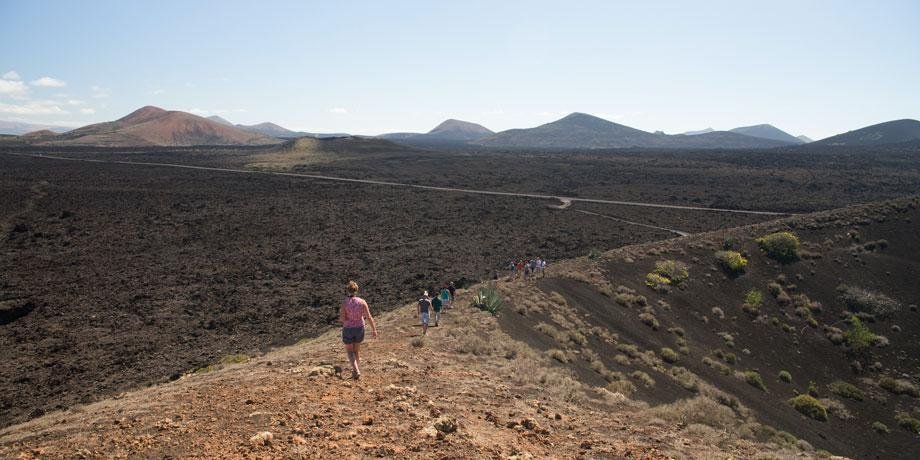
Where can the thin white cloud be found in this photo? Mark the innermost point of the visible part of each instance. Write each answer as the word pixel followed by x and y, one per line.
pixel 13 87
pixel 494 112
pixel 88 111
pixel 338 110
pixel 158 91
pixel 75 102
pixel 32 108
pixel 11 75
pixel 48 82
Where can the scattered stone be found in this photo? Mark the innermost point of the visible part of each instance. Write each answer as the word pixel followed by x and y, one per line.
pixel 262 438
pixel 298 439
pixel 446 425
pixel 324 370
pixel 367 421
pixel 529 423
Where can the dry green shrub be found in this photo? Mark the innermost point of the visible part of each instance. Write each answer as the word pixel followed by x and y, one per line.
pixel 725 370
pixel 880 428
pixel 474 344
pixel 836 408
pixel 643 378
pixel 697 410
pixel 657 282
pixel 688 380
pixel 669 355
pixel 785 376
pixel 859 300
pixel 622 359
pixel 557 299
pixel 845 390
pixel 417 342
pixel 809 407
pixel 781 246
pixel 718 313
pixel 559 355
pixel 234 359
pixel 629 350
pixel 677 272
pixel 858 337
pixel 753 379
pixel 649 320
pixel 908 422
pixel 558 335
pixel 732 262
pixel 899 386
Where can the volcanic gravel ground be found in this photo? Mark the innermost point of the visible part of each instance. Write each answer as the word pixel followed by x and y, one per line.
pixel 131 275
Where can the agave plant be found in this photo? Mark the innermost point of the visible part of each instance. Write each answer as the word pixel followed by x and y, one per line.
pixel 489 299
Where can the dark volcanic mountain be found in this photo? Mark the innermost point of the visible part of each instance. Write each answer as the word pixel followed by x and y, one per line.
pixel 889 132
pixel 583 131
pixel 449 131
pixel 457 130
pixel 270 129
pixel 153 126
pixel 577 130
pixel 767 132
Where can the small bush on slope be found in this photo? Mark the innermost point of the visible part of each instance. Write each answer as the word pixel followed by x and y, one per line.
pixel 907 422
pixel 809 407
pixel 899 386
pixel 673 270
pixel 846 390
pixel 732 261
pixel 859 300
pixel 781 246
pixel 859 337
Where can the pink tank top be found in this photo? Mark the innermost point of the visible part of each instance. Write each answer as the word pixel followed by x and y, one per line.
pixel 354 311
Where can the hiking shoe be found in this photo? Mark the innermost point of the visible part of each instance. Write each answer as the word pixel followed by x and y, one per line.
pixel 355 375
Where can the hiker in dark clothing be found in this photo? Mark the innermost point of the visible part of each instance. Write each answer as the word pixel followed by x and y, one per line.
pixel 424 309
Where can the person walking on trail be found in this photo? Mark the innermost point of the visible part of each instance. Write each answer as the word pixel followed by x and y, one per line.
pixel 527 270
pixel 436 306
pixel 353 312
pixel 512 267
pixel 519 268
pixel 446 296
pixel 424 307
pixel 453 291
pixel 542 266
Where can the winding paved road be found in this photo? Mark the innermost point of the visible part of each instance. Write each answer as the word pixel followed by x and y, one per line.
pixel 566 201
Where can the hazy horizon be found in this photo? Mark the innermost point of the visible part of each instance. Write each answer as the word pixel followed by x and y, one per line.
pixel 376 67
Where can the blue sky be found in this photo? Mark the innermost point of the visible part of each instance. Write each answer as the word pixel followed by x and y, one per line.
pixel 815 68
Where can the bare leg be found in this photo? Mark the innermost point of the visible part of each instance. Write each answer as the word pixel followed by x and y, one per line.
pixel 357 349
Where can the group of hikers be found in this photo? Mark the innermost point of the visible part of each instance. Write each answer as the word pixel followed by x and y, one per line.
pixel 526 269
pixel 430 307
pixel 355 313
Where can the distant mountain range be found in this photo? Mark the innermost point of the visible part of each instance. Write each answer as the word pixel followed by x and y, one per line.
pixel 583 131
pixel 889 132
pixel 273 130
pixel 767 132
pixel 153 126
pixel 19 128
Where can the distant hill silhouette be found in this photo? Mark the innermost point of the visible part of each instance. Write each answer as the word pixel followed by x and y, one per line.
pixel 766 131
pixel 804 139
pixel 449 131
pixel 889 132
pixel 153 126
pixel 702 131
pixel 19 128
pixel 583 131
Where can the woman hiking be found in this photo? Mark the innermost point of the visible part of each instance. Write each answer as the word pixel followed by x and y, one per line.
pixel 353 312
